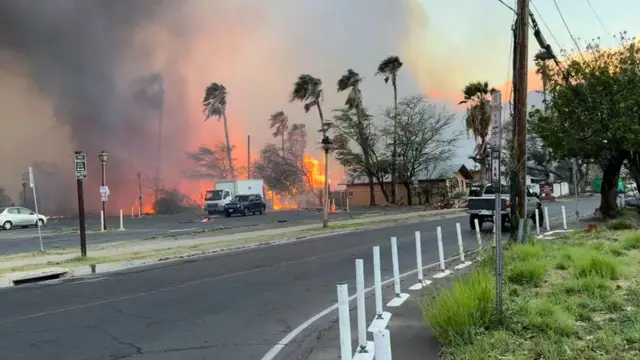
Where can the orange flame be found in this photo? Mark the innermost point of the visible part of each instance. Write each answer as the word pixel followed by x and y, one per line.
pixel 314 177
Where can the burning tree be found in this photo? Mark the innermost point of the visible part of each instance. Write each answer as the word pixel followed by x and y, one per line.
pixel 280 123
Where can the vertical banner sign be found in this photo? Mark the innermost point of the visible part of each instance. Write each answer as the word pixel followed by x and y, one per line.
pixel 496 178
pixel 32 185
pixel 80 159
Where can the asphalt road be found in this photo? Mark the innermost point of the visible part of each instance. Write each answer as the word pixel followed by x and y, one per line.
pixel 230 306
pixel 60 234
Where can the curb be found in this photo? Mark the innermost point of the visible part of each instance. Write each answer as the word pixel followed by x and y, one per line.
pixel 31 276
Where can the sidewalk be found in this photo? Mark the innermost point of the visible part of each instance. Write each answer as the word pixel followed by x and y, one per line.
pixel 128 249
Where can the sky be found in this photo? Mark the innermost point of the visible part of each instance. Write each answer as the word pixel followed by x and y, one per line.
pixel 67 69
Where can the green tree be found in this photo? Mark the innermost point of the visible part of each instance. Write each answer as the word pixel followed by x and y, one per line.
pixel 279 122
pixel 308 90
pixel 389 68
pixel 215 105
pixel 478 119
pixel 593 112
pixel 351 81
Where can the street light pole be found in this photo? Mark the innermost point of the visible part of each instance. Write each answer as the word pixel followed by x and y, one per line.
pixel 103 161
pixel 326 146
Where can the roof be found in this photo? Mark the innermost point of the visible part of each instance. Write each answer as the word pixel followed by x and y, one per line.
pixel 441 173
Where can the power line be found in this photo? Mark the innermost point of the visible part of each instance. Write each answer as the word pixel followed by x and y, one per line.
pixel 546 26
pixel 575 42
pixel 507 6
pixel 598 17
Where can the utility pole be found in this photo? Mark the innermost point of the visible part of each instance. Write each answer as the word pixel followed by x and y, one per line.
pixel 248 156
pixel 139 195
pixel 521 55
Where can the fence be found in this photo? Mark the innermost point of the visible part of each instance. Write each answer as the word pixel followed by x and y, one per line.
pixel 374 341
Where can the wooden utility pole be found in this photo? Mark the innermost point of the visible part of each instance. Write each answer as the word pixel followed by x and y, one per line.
pixel 522 57
pixel 139 195
pixel 248 156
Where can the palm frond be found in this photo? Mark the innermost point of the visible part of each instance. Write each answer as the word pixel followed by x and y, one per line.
pixel 309 105
pixel 389 67
pixel 280 122
pixel 214 102
pixel 305 88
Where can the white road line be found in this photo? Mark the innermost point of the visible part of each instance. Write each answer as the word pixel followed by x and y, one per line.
pixel 295 332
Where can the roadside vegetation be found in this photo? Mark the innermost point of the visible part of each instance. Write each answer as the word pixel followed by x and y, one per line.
pixel 576 297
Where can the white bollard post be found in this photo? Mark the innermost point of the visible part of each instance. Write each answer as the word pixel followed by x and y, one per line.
pixel 444 272
pixel 362 316
pixel 399 297
pixel 546 218
pixel 101 220
pixel 344 321
pixel 132 216
pixel 421 281
pixel 121 221
pixel 347 202
pixel 564 217
pixel 537 221
pixel 478 235
pixel 463 263
pixel 382 344
pixel 381 319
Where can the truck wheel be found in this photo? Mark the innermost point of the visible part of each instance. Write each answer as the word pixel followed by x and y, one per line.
pixel 245 212
pixel 472 223
pixel 261 212
pixel 210 212
pixel 227 214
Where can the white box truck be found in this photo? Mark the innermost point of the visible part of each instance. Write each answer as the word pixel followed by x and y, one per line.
pixel 225 191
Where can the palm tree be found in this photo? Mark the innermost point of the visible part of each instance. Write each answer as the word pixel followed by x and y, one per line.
pixel 351 81
pixel 389 68
pixel 280 123
pixel 215 104
pixel 308 90
pixel 478 119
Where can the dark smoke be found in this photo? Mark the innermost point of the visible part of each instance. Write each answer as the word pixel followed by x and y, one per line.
pixel 76 52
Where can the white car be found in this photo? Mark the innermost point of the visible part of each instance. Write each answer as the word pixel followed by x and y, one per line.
pixel 19 216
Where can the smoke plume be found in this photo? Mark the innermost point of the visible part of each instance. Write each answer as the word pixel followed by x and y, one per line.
pixel 96 75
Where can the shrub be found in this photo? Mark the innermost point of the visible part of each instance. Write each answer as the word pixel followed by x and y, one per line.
pixel 530 272
pixel 631 241
pixel 619 224
pixel 456 314
pixel 527 251
pixel 595 264
pixel 543 316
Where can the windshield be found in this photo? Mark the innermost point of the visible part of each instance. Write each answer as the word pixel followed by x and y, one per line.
pixel 213 195
pixel 2 209
pixel 241 198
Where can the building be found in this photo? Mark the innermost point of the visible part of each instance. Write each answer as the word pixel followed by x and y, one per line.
pixel 447 181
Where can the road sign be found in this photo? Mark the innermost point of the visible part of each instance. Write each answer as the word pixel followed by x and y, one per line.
pixel 496 119
pixel 495 167
pixel 104 193
pixel 81 165
pixel 31 181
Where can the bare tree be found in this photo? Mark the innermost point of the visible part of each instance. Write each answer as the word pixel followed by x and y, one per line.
pixel 297 141
pixel 281 174
pixel 425 139
pixel 212 163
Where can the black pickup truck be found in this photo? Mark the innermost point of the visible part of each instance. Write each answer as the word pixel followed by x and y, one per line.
pixel 482 207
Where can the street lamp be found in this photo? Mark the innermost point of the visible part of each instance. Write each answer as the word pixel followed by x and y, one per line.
pixel 326 146
pixel 103 160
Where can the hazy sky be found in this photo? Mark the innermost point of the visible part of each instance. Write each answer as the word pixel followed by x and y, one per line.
pixel 66 69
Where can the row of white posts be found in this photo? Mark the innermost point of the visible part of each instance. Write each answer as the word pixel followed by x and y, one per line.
pixel 102 221
pixel 380 347
pixel 546 219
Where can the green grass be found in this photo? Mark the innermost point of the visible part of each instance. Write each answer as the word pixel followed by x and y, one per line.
pixel 572 298
pixel 619 224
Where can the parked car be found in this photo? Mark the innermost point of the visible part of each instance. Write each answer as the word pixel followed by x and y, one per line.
pixel 245 205
pixel 19 216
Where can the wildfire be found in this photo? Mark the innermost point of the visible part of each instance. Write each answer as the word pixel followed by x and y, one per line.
pixel 313 176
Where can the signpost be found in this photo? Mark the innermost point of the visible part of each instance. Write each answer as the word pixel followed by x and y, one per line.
pixel 496 178
pixel 81 174
pixel 32 185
